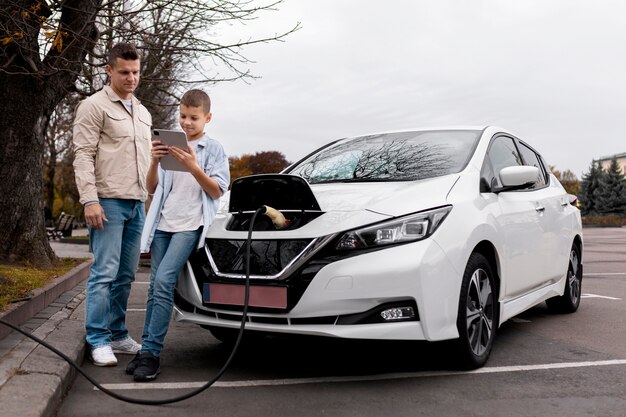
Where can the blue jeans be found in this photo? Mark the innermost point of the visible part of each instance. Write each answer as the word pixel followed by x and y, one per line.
pixel 116 257
pixel 170 252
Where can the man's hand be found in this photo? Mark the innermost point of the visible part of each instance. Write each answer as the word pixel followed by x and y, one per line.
pixel 94 216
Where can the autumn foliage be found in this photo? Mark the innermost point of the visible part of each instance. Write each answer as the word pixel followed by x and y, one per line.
pixel 265 162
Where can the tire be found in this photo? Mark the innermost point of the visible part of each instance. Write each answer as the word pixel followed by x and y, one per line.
pixel 570 300
pixel 477 318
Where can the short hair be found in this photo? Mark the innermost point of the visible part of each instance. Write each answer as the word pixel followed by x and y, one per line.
pixel 197 98
pixel 123 50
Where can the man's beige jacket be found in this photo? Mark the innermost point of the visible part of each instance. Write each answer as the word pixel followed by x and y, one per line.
pixel 111 148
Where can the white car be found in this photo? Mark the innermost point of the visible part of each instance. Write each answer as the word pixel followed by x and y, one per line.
pixel 431 235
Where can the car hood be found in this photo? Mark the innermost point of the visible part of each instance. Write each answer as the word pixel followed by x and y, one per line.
pixel 387 198
pixel 350 205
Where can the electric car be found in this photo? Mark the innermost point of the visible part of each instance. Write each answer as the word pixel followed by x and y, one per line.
pixel 435 234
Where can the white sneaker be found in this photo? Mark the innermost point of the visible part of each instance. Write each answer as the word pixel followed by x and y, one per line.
pixel 103 356
pixel 126 346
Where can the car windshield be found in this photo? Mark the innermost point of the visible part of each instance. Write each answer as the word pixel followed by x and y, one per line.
pixel 404 156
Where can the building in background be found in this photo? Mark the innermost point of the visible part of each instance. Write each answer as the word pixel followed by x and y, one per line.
pixel 605 161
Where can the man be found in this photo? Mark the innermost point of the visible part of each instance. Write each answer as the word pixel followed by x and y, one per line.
pixel 112 141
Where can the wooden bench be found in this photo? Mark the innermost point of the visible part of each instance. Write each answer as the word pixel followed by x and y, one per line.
pixel 63 227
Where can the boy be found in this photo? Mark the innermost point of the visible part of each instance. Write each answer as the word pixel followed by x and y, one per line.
pixel 183 207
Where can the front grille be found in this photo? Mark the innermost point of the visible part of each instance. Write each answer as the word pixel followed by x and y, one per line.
pixel 299 261
pixel 267 257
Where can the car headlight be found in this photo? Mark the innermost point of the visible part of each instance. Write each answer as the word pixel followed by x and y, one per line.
pixel 404 229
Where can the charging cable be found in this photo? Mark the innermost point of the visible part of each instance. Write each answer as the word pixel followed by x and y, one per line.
pixel 181 397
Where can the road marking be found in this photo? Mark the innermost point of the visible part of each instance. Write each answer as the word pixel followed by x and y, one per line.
pixel 599 296
pixel 135 309
pixel 599 274
pixel 381 377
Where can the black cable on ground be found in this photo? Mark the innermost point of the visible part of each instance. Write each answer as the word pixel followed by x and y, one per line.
pixel 173 399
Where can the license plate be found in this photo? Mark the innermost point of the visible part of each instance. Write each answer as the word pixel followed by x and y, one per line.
pixel 232 294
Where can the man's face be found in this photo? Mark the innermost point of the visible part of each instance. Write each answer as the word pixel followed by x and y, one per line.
pixel 124 76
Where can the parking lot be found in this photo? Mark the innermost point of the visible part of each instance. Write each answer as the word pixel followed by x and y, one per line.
pixel 541 364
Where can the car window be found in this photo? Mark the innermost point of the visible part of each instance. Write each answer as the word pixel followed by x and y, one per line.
pixel 545 166
pixel 532 159
pixel 403 156
pixel 502 153
pixel 337 166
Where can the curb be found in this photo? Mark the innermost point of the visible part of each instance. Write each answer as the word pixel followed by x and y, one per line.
pixel 34 380
pixel 20 313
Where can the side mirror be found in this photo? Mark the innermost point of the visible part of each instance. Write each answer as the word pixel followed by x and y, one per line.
pixel 517 177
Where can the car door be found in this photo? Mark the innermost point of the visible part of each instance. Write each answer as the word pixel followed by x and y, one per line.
pixel 552 203
pixel 518 222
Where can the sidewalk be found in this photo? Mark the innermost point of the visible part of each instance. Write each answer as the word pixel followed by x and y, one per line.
pixel 33 380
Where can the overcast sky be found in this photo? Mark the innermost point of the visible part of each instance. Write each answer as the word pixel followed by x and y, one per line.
pixel 551 71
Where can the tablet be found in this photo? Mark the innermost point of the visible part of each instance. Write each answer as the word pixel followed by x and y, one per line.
pixel 171 138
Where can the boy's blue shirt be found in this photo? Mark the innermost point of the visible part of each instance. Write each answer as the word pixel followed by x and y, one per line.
pixel 214 162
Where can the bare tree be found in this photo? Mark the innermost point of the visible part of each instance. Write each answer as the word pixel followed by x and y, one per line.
pixel 49 49
pixel 390 160
pixel 401 159
pixel 57 145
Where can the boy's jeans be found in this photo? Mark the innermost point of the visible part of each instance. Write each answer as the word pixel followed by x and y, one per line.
pixel 116 256
pixel 170 252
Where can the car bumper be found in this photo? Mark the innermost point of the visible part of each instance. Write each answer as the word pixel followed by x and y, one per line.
pixel 418 273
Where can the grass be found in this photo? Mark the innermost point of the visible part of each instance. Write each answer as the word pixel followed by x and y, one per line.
pixel 607 220
pixel 17 282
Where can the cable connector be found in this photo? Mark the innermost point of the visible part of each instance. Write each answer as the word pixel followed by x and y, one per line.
pixel 278 219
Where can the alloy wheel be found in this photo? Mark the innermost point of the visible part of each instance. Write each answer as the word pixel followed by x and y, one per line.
pixel 572 276
pixel 480 312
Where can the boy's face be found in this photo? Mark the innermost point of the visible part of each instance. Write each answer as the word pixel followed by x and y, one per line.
pixel 124 76
pixel 192 121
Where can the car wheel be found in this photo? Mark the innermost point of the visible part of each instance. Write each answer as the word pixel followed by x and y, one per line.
pixel 477 318
pixel 570 300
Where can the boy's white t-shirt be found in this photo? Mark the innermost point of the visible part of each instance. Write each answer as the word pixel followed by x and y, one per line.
pixel 182 211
